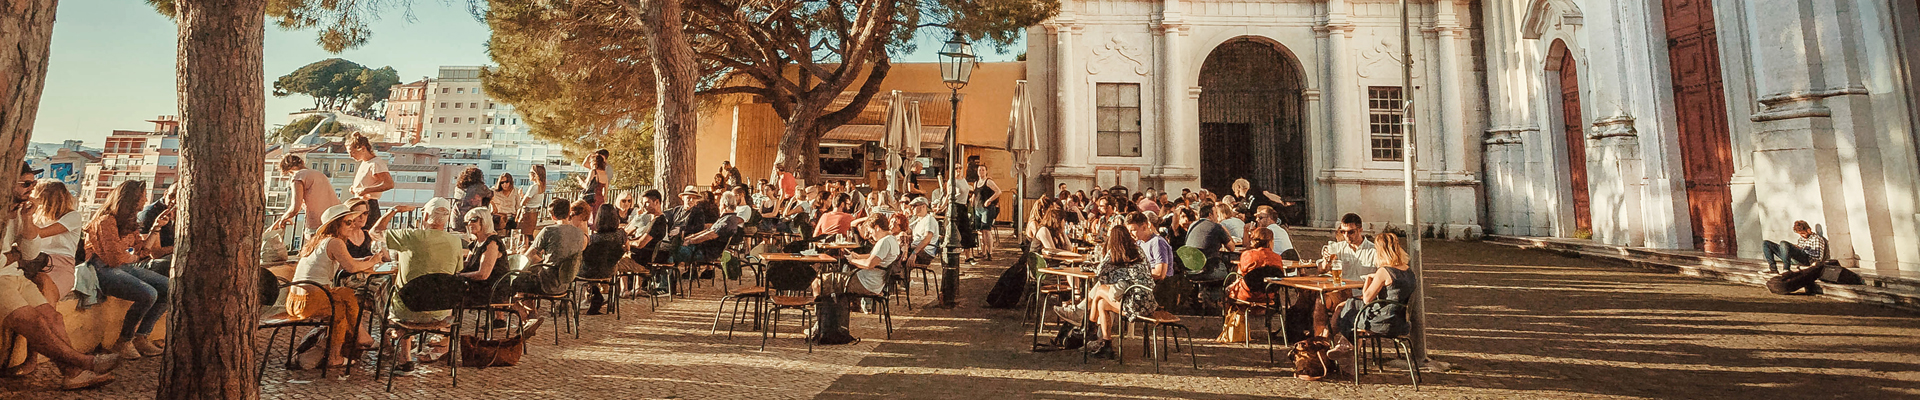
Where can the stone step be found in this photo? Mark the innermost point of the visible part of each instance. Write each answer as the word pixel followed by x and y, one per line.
pixel 1896 290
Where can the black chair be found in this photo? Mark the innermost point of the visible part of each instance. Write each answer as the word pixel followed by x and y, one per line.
pixel 279 319
pixel 790 286
pixel 1256 281
pixel 1158 324
pixel 597 264
pixel 756 293
pixel 425 293
pixel 562 302
pixel 887 291
pixel 1401 347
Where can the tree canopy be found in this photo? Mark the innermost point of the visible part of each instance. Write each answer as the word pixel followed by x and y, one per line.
pixel 586 61
pixel 343 23
pixel 338 84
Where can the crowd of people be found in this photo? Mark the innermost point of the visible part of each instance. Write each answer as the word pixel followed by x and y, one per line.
pixel 123 249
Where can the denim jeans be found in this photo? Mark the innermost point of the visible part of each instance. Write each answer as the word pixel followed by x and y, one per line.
pixel 1784 251
pixel 145 288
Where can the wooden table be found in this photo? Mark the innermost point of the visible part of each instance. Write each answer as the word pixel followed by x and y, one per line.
pixel 1320 285
pixel 817 260
pixel 836 246
pixel 1072 275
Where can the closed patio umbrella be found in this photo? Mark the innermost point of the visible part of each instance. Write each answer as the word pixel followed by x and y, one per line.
pixel 895 139
pixel 1022 142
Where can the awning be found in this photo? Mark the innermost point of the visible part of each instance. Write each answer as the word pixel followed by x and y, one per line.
pixel 931 137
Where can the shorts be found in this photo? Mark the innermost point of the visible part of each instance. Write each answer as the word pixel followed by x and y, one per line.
pixel 60 271
pixel 983 217
pixel 17 292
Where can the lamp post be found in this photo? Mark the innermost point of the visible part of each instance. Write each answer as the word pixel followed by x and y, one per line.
pixel 956 65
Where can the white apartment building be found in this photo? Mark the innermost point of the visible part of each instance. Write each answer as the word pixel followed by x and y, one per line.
pixel 456 116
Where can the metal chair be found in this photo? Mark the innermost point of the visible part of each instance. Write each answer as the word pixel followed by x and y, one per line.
pixel 561 302
pixel 1158 324
pixel 791 288
pixel 425 293
pixel 1401 347
pixel 280 319
pixel 887 289
pixel 597 270
pixel 756 293
pixel 1256 281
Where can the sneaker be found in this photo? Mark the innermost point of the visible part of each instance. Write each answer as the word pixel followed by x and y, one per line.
pixel 146 347
pixel 85 379
pixel 126 351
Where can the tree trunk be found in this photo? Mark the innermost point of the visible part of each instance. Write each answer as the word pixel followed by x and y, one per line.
pixel 26 31
pixel 800 147
pixel 222 105
pixel 674 119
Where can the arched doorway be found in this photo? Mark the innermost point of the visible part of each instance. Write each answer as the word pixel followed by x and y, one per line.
pixel 1560 64
pixel 1700 108
pixel 1251 119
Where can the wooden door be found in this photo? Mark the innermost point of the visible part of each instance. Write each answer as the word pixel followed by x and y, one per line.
pixel 1700 108
pixel 1228 155
pixel 1576 140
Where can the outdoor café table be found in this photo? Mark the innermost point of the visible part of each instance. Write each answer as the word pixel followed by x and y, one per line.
pixel 1072 274
pixel 836 246
pixel 817 260
pixel 1320 285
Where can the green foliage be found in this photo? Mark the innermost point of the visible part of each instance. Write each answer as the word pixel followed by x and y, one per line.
pixel 583 91
pixel 338 84
pixel 342 23
pixel 293 131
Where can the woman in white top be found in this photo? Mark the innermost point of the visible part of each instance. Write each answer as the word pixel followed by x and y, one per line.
pixel 372 179
pixel 322 258
pixel 55 232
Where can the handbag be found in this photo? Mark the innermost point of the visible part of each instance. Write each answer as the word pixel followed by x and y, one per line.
pixel 476 352
pixel 1310 360
pixel 1235 328
pixel 1832 272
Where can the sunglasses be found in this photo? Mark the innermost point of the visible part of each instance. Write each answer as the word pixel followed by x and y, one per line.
pixel 473 220
pixel 1344 231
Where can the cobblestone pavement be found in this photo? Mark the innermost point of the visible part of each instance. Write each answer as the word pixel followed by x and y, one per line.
pixel 1513 323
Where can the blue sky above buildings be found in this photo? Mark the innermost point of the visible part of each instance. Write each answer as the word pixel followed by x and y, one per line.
pixel 112 63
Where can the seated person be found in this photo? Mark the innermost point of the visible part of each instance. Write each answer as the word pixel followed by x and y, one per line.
pixel 558 246
pixel 689 219
pixel 836 222
pixel 1259 254
pixel 1809 249
pixel 1382 306
pixel 486 262
pixel 321 260
pixel 428 250
pixel 27 314
pixel 605 248
pixel 1122 267
pixel 870 270
pixel 1266 216
pixel 707 244
pixel 925 228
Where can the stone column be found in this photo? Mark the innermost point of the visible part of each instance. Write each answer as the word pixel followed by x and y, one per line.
pixel 1073 143
pixel 1180 148
pixel 1348 146
pixel 1452 117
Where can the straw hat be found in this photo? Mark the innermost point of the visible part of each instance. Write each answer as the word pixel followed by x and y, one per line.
pixel 337 212
pixel 691 191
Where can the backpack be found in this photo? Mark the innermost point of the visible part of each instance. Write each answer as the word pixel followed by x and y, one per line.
pixel 830 323
pixel 1006 291
pixel 1310 360
pixel 1794 281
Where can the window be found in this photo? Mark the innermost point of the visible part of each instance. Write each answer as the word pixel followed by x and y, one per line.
pixel 443 90
pixel 486 135
pixel 476 90
pixel 1383 122
pixel 489 105
pixel 456 105
pixel 473 105
pixel 443 120
pixel 489 120
pixel 470 120
pixel 443 104
pixel 460 90
pixel 1119 119
pixel 469 135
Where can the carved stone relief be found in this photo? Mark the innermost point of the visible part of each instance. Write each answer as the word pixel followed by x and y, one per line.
pixel 1117 52
pixel 1382 57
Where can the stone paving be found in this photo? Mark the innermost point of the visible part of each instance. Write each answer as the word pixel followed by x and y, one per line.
pixel 1513 323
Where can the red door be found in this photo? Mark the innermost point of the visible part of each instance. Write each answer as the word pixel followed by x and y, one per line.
pixel 1576 138
pixel 1693 50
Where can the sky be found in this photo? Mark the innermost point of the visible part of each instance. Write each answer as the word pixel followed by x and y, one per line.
pixel 112 62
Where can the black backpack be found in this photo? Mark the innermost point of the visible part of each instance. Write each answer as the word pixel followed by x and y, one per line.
pixel 830 325
pixel 1006 292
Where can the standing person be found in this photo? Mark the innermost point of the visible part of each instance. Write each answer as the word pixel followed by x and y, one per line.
pixel 114 240
pixel 594 184
pixel 473 194
pixel 322 259
pixel 506 204
pixel 372 180
pixel 27 314
pixel 1810 249
pixel 535 193
pixel 987 192
pixel 733 174
pixel 53 228
pixel 312 191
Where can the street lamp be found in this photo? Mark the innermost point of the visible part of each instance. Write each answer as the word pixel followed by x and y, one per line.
pixel 956 66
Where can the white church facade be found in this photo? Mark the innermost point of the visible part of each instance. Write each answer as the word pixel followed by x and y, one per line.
pixel 1300 97
pixel 1710 125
